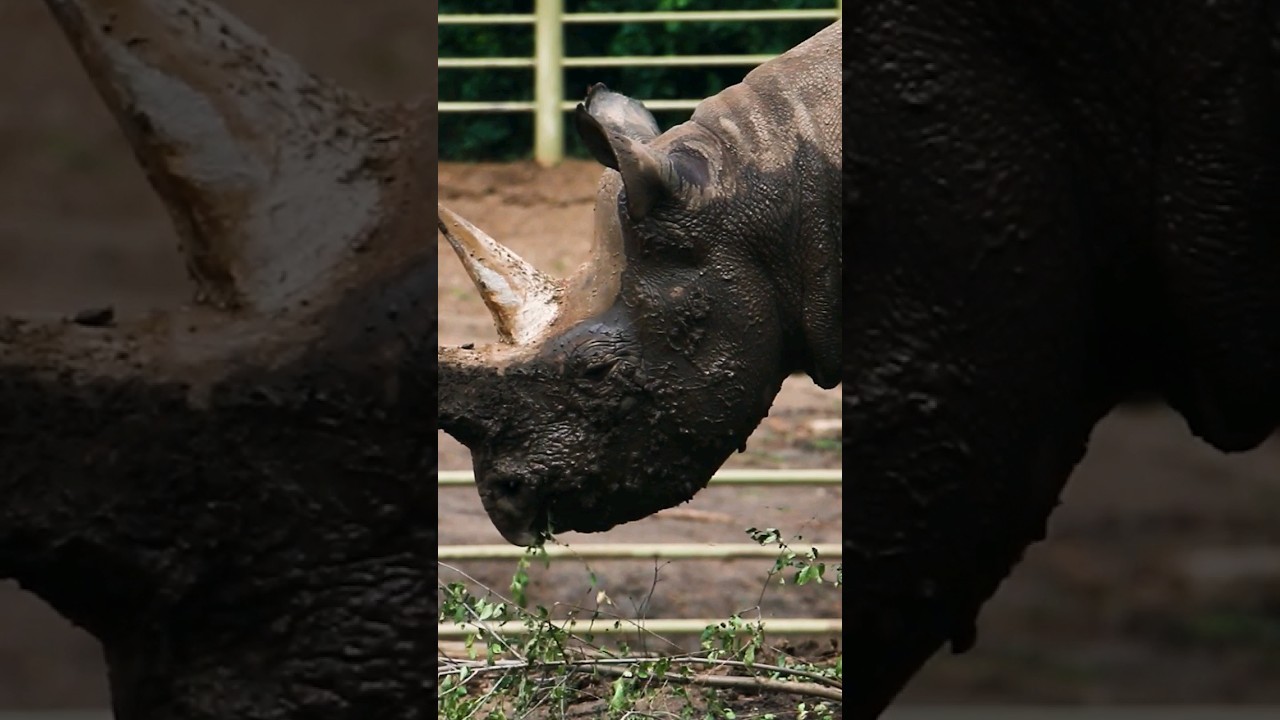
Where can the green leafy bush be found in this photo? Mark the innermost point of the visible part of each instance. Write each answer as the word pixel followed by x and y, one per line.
pixel 505 136
pixel 521 662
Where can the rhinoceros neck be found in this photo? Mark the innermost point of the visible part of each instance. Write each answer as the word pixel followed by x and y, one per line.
pixel 774 141
pixel 789 102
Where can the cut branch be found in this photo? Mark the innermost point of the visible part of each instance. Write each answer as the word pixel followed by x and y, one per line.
pixel 738 682
pixel 624 667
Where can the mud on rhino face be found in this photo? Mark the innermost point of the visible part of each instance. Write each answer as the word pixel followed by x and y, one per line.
pixel 619 391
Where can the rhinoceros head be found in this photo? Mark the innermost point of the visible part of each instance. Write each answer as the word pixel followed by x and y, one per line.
pixel 618 391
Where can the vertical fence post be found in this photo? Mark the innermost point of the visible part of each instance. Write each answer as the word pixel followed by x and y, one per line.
pixel 548 122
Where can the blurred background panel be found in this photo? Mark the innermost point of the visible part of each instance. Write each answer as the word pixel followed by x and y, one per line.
pixel 1159 582
pixel 80 228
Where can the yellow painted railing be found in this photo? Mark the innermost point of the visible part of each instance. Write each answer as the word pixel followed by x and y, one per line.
pixel 549 62
pixel 664 551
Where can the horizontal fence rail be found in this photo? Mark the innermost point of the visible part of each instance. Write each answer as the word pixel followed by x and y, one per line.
pixel 660 551
pixel 549 61
pixel 633 551
pixel 665 626
pixel 645 17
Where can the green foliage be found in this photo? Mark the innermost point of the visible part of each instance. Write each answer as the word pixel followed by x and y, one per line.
pixel 807 566
pixel 505 136
pixel 548 668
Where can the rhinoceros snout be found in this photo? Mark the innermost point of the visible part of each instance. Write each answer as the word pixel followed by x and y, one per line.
pixel 512 503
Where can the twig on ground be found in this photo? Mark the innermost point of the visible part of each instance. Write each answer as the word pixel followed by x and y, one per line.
pixel 741 682
pixel 828 688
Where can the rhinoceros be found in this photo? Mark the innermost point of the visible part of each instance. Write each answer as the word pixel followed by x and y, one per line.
pixel 1051 208
pixel 714 275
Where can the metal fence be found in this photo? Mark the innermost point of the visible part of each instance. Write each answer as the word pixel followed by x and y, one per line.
pixel 549 61
pixel 667 551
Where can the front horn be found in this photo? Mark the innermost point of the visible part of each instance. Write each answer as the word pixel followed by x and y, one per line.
pixel 524 302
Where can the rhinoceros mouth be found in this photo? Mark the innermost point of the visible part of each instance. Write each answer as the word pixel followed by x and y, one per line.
pixel 531 533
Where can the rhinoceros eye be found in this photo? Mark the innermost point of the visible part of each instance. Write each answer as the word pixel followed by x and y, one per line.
pixel 599 369
pixel 592 353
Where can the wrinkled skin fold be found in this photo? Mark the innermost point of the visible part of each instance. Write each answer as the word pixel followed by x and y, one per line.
pixel 617 392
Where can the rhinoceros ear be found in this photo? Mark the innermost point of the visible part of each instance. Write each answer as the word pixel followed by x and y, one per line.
pixel 615 113
pixel 617 131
